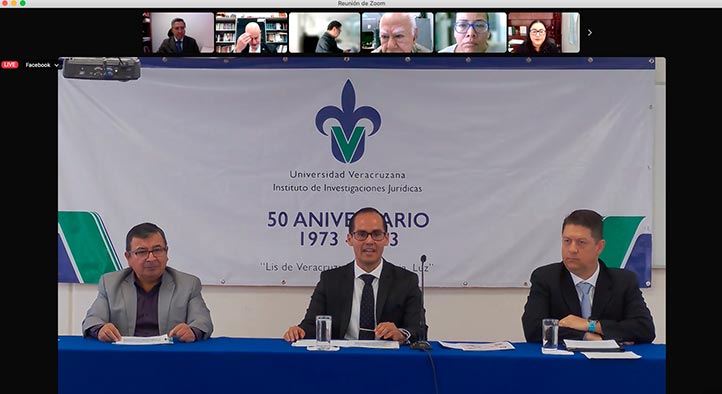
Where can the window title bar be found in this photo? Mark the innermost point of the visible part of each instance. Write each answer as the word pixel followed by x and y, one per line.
pixel 356 4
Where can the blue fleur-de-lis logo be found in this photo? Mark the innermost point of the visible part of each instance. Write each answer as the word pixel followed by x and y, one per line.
pixel 348 139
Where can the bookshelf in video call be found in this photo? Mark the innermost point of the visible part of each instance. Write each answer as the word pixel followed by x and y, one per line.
pixel 147 40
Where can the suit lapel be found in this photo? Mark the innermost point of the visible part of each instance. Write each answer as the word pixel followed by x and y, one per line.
pixel 130 299
pixel 167 287
pixel 569 292
pixel 602 291
pixel 346 285
pixel 384 288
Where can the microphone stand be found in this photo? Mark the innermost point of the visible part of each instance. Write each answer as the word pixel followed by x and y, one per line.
pixel 422 343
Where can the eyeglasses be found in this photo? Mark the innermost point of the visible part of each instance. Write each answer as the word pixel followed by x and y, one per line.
pixel 376 235
pixel 479 27
pixel 536 32
pixel 144 253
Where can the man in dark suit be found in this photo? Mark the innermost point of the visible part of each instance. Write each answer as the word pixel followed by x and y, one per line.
pixel 327 42
pixel 617 309
pixel 178 43
pixel 340 291
pixel 251 42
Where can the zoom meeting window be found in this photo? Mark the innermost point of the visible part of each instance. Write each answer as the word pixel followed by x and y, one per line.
pixel 288 77
pixel 286 31
pixel 281 31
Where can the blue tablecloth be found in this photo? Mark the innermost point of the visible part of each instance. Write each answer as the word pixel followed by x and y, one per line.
pixel 255 365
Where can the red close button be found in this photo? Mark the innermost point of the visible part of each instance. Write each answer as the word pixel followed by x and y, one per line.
pixel 9 64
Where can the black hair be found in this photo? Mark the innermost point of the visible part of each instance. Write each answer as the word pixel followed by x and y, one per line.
pixel 586 218
pixel 334 24
pixel 351 224
pixel 143 231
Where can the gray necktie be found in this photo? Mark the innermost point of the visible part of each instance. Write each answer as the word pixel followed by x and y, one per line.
pixel 586 301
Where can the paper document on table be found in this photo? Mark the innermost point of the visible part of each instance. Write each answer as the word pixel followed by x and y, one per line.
pixel 373 344
pixel 557 352
pixel 590 346
pixel 615 355
pixel 157 340
pixel 478 347
pixel 304 343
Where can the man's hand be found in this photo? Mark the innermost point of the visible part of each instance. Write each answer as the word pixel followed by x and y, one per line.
pixel 242 42
pixel 388 330
pixel 108 333
pixel 574 322
pixel 183 332
pixel 294 333
pixel 591 336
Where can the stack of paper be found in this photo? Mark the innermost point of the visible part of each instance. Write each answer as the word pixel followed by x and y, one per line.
pixel 478 347
pixel 372 344
pixel 557 352
pixel 608 355
pixel 609 345
pixel 157 340
pixel 607 349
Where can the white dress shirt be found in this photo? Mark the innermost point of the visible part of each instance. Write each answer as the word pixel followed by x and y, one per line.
pixel 358 287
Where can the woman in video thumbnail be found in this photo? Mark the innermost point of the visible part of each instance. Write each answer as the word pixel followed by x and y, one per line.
pixel 537 40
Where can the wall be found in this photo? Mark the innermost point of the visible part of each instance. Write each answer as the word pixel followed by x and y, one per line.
pixel 479 314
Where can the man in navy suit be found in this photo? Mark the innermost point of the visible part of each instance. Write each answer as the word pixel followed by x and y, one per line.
pixel 398 306
pixel 618 310
pixel 178 42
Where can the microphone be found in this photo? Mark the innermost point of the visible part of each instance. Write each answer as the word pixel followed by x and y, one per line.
pixel 422 343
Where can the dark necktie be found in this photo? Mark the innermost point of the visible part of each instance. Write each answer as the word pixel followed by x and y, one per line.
pixel 178 46
pixel 367 322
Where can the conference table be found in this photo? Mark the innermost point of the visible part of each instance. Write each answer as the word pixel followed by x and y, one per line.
pixel 271 365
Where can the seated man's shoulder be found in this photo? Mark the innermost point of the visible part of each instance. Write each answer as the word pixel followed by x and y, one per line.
pixel 418 48
pixel 399 270
pixel 556 266
pixel 622 274
pixel 338 270
pixel 180 276
pixel 118 274
pixel 113 279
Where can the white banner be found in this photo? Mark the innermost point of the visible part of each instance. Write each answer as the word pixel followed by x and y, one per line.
pixel 252 172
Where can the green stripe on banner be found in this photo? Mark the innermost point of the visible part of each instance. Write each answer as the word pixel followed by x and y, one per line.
pixel 89 245
pixel 618 233
pixel 106 240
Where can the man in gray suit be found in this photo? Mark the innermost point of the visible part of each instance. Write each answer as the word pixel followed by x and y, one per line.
pixel 148 298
